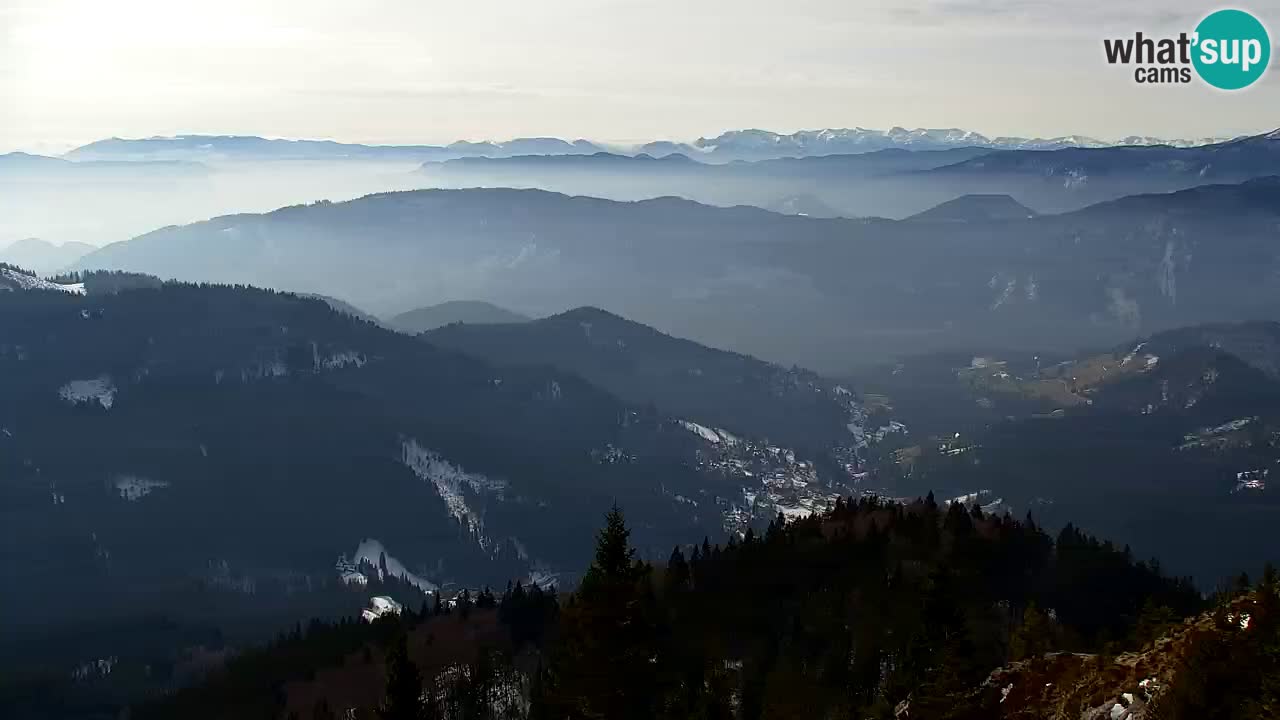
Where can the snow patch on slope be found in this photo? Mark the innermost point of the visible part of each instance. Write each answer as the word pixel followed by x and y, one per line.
pixel 336 360
pixel 1255 479
pixel 711 435
pixel 380 606
pixel 343 359
pixel 544 578
pixel 100 389
pixel 452 483
pixel 1218 436
pixel 134 488
pixel 10 280
pixel 372 552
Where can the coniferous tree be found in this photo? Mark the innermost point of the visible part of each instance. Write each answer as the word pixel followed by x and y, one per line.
pixel 464 604
pixel 1034 637
pixel 322 711
pixel 1153 622
pixel 677 575
pixel 607 661
pixel 404 685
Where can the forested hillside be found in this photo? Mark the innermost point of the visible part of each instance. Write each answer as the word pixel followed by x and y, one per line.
pixel 1178 429
pixel 717 388
pixel 198 458
pixel 872 611
pixel 159 441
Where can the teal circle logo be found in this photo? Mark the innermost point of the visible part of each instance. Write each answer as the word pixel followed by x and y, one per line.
pixel 1232 49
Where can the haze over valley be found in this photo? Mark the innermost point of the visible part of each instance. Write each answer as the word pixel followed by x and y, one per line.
pixel 121 188
pixel 1064 249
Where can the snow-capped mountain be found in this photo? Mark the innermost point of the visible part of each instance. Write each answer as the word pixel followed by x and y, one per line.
pixel 746 144
pixel 757 144
pixel 252 148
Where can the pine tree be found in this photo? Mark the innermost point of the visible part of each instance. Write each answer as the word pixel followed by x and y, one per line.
pixel 322 711
pixel 615 558
pixel 538 703
pixel 1034 637
pixel 677 575
pixel 464 604
pixel 607 662
pixel 1154 621
pixel 404 685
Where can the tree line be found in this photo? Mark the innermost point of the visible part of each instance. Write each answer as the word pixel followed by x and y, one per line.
pixel 871 609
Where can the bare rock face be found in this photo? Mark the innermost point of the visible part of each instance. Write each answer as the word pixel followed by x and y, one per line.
pixel 1058 685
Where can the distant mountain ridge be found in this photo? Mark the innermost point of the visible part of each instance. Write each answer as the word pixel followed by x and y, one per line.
pixel 25 166
pixel 750 144
pixel 1063 180
pixel 253 148
pixel 976 208
pixel 1256 153
pixel 822 293
pixel 471 312
pixel 893 182
pixel 758 144
pixel 42 256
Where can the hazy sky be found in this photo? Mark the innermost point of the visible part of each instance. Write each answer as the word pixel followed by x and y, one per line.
pixel 72 71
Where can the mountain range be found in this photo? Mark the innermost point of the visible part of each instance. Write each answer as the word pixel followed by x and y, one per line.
pixel 24 167
pixel 847 184
pixel 892 182
pixel 123 188
pixel 762 144
pixel 180 411
pixel 732 145
pixel 69 203
pixel 245 148
pixel 822 293
pixel 141 425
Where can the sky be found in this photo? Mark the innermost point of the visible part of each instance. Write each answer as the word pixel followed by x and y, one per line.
pixel 429 71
